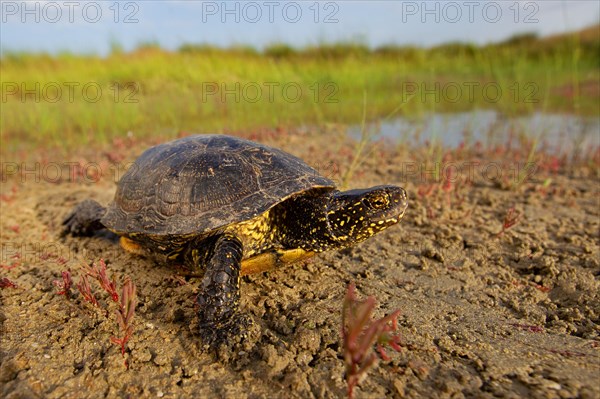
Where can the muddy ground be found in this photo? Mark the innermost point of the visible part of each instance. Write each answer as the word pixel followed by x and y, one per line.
pixel 482 314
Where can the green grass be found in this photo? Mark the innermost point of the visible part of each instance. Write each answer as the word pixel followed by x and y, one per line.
pixel 171 87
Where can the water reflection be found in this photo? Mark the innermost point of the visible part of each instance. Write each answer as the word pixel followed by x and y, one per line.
pixel 559 133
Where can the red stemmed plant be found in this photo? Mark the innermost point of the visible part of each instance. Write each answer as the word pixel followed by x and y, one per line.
pixel 511 218
pixel 126 302
pixel 360 333
pixel 125 315
pixel 99 273
pixel 65 285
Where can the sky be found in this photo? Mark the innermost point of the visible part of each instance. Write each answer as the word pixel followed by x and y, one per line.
pixel 91 26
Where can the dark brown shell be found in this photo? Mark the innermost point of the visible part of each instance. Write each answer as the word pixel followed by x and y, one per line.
pixel 201 183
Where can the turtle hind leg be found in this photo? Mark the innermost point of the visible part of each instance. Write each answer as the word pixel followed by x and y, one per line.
pixel 84 220
pixel 218 300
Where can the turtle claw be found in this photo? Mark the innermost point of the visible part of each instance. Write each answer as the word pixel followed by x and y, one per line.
pixel 229 338
pixel 84 220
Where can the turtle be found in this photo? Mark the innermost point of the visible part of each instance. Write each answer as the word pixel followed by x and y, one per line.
pixel 226 207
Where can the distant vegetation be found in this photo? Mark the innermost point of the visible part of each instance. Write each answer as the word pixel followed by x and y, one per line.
pixel 69 99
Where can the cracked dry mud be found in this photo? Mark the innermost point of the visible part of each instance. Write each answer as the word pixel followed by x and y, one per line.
pixel 481 316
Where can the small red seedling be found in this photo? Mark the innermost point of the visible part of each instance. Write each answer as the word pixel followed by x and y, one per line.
pixel 99 273
pixel 360 332
pixel 6 283
pixel 431 213
pixel 86 291
pixel 65 285
pixel 567 353
pixel 542 288
pixel 425 190
pixel 448 185
pixel 46 256
pixel 127 301
pixel 15 263
pixel 11 266
pixel 125 315
pixel 175 279
pixel 511 218
pixel 9 197
pixel 527 327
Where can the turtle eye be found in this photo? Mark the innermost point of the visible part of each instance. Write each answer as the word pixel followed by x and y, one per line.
pixel 379 202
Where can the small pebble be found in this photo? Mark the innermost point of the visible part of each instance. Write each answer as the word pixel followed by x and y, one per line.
pixel 160 360
pixel 554 385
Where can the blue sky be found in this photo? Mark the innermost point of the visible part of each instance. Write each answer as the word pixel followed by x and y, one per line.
pixel 90 26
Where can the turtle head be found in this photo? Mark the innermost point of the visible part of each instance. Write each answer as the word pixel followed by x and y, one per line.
pixel 355 215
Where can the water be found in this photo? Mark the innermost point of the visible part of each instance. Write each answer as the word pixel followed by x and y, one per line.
pixel 559 133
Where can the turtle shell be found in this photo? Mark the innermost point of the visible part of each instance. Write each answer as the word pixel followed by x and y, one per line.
pixel 201 183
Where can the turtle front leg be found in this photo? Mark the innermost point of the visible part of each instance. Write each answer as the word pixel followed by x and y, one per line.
pixel 84 220
pixel 219 295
